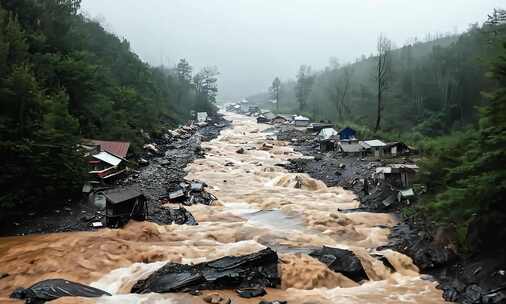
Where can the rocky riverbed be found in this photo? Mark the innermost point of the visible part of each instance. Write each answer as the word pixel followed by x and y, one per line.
pixel 477 277
pixel 164 168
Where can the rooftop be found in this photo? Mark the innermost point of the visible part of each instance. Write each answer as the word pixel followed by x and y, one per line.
pixel 121 195
pixel 118 148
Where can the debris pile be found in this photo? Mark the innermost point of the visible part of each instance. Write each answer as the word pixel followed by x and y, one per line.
pixel 256 270
pixel 188 193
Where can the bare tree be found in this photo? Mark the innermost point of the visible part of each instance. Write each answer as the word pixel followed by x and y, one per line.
pixel 275 89
pixel 383 74
pixel 340 89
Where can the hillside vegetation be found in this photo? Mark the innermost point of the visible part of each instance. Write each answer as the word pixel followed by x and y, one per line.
pixel 63 78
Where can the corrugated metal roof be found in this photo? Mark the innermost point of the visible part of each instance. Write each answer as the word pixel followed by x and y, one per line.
pixel 374 143
pixel 118 148
pixel 351 148
pixel 108 158
pixel 120 195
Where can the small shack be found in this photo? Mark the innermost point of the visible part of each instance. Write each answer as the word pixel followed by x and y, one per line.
pixel 327 133
pixel 301 121
pixel 347 133
pixel 349 148
pixel 279 119
pixel 318 126
pixel 398 148
pixel 266 117
pixel 398 175
pixel 328 139
pixel 123 205
pixel 375 146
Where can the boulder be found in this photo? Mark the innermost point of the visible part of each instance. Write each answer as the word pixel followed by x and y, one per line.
pixel 341 261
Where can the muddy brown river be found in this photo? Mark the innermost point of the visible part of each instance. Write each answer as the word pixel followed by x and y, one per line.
pixel 260 204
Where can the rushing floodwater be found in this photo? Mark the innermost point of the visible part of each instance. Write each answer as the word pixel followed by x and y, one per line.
pixel 259 205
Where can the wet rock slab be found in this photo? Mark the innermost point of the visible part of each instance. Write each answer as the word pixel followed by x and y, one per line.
pixel 341 261
pixel 258 269
pixel 53 289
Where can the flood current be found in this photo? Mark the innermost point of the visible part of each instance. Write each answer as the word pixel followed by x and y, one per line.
pixel 260 205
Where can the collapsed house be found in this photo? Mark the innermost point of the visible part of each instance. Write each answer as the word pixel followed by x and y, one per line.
pixel 122 205
pixel 188 193
pixel 279 119
pixel 265 117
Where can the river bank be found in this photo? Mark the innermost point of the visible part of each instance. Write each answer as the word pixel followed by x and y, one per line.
pixel 464 277
pixel 152 180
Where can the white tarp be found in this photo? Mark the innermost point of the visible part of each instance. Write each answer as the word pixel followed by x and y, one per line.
pixel 201 116
pixel 327 133
pixel 300 118
pixel 108 158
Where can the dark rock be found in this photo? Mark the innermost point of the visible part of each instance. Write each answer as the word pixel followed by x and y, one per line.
pixel 472 294
pixel 450 294
pixel 3 275
pixel 258 269
pixel 240 151
pixel 49 290
pixel 341 261
pixel 251 292
pixel 181 216
pixel 431 256
pixel 494 298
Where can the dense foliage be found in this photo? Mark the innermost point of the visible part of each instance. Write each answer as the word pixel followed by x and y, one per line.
pixel 64 78
pixel 465 170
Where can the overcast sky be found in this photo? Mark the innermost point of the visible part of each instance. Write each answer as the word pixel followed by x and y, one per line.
pixel 253 41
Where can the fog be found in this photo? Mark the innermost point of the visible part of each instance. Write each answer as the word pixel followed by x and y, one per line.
pixel 251 42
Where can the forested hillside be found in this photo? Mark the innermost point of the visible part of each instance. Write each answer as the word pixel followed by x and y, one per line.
pixel 63 78
pixel 446 96
pixel 431 87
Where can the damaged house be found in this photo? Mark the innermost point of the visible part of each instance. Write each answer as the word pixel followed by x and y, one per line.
pixel 107 159
pixel 279 119
pixel 301 121
pixel 398 148
pixel 123 205
pixel 266 117
pixel 397 175
pixel 375 146
pixel 351 148
pixel 328 139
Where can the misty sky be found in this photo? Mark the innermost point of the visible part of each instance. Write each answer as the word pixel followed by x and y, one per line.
pixel 252 41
